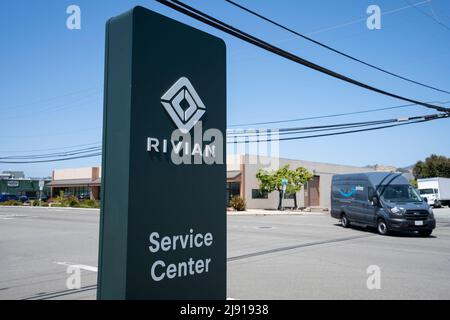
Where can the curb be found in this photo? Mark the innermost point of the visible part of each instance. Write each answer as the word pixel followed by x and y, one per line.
pixel 232 213
pixel 48 208
pixel 229 213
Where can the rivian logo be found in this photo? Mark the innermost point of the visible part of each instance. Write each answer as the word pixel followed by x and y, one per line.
pixel 183 104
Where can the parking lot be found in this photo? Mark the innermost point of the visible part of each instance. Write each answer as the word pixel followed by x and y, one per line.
pixel 269 257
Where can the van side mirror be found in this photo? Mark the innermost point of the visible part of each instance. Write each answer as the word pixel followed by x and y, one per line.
pixel 425 199
pixel 374 201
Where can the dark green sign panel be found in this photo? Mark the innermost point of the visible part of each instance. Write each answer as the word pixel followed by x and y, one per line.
pixel 163 216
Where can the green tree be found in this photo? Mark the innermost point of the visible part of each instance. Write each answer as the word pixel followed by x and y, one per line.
pixel 433 166
pixel 271 181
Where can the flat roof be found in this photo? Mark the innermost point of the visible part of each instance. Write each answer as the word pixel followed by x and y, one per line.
pixel 233 174
pixel 73 182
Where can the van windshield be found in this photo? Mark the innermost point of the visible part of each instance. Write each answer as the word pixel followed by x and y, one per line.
pixel 399 193
pixel 426 191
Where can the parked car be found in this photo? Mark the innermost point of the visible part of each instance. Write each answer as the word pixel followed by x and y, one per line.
pixel 84 196
pixel 23 198
pixel 7 197
pixel 383 200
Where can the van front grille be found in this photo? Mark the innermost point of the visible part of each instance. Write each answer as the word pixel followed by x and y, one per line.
pixel 416 214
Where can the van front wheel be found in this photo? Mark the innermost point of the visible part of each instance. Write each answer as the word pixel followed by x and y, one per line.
pixel 382 227
pixel 344 221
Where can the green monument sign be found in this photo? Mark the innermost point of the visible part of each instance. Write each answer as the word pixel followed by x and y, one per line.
pixel 163 213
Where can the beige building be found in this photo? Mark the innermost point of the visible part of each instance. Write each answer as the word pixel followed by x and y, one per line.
pixel 241 180
pixel 77 182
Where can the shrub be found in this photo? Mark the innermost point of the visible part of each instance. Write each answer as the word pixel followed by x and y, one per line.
pixel 11 203
pixel 71 202
pixel 35 203
pixel 238 203
pixel 91 203
pixel 62 201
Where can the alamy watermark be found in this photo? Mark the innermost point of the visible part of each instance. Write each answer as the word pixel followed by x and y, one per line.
pixel 374 20
pixel 73 21
pixel 74 279
pixel 373 282
pixel 260 146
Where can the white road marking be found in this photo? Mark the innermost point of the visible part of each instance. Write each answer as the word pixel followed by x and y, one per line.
pixel 79 266
pixel 11 216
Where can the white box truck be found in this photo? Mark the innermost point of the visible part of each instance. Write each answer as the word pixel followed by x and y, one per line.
pixel 436 190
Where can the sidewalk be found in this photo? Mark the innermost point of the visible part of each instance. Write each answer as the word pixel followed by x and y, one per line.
pixel 265 212
pixel 51 207
pixel 248 212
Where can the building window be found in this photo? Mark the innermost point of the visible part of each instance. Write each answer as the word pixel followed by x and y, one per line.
pixel 233 189
pixel 257 194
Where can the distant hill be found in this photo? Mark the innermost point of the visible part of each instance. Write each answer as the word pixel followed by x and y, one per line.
pixel 406 171
pixel 409 168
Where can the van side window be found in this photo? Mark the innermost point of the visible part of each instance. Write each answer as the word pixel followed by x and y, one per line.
pixel 360 192
pixel 372 193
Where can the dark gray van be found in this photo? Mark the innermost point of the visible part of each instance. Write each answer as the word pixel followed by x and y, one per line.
pixel 383 200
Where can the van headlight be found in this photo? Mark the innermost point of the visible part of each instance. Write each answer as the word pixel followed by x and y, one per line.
pixel 397 210
pixel 430 211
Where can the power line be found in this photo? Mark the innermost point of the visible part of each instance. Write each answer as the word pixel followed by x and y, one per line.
pixel 441 116
pixel 292 130
pixel 384 13
pixel 198 15
pixel 331 115
pixel 331 48
pixel 89 98
pixel 399 122
pixel 238 132
pixel 56 134
pixel 52 98
pixel 348 23
pixel 52 155
pixel 282 133
pixel 56 160
pixel 51 149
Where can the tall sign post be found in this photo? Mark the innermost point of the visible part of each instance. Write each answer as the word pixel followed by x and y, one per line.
pixel 284 183
pixel 163 198
pixel 41 188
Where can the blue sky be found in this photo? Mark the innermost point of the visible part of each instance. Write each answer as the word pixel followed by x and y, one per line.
pixel 51 78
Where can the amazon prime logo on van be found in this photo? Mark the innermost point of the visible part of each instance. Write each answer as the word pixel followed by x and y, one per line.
pixel 352 192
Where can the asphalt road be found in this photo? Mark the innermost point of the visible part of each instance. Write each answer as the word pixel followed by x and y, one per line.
pixel 269 257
